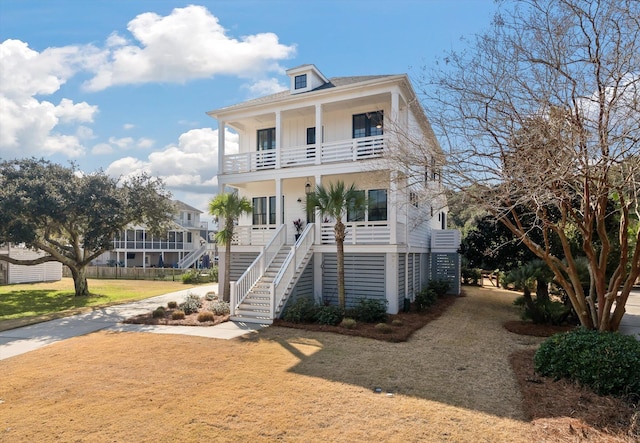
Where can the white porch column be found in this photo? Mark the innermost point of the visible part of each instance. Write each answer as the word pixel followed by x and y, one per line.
pixel 278 138
pixel 318 216
pixel 279 220
pixel 221 131
pixel 395 107
pixel 125 248
pixel 319 133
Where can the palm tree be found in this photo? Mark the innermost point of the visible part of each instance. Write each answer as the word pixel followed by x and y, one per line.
pixel 334 202
pixel 229 207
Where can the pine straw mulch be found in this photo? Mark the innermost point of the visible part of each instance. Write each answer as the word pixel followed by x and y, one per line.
pixel 188 320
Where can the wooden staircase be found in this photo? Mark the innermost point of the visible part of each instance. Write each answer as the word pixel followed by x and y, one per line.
pixel 256 307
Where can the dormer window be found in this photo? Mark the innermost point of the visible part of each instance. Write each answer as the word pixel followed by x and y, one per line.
pixel 300 81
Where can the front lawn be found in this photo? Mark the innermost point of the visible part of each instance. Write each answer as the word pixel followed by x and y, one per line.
pixel 26 303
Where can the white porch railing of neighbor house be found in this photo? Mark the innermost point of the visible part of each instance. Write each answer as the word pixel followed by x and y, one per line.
pixel 339 151
pixel 253 273
pixel 253 234
pixel 358 233
pixel 290 266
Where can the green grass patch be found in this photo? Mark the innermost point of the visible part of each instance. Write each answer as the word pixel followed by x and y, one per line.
pixel 34 300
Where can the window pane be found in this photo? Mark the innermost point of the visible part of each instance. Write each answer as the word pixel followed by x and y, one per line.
pixel 266 139
pixel 378 205
pixel 260 210
pixel 300 81
pixel 311 136
pixel 359 125
pixel 272 210
pixel 376 123
pixel 352 214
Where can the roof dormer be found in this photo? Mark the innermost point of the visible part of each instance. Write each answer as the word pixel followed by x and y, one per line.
pixel 305 78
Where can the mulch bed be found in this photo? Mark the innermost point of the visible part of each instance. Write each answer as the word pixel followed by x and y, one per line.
pixel 522 327
pixel 409 322
pixel 188 320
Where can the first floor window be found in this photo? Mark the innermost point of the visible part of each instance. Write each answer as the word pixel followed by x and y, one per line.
pixel 272 210
pixel 376 207
pixel 259 210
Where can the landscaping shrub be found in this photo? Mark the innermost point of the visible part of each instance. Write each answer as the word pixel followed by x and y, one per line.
pixel 158 313
pixel 220 308
pixel 328 315
pixel 440 287
pixel 543 310
pixel 348 323
pixel 195 276
pixel 397 322
pixel 425 298
pixel 177 315
pixel 471 276
pixel 607 362
pixel 172 305
pixel 302 310
pixel 370 310
pixel 210 296
pixel 191 304
pixel 205 316
pixel 384 328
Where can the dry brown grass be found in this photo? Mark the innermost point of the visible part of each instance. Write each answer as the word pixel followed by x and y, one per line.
pixel 452 381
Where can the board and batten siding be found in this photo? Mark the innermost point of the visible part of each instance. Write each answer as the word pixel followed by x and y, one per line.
pixel 364 278
pixel 401 278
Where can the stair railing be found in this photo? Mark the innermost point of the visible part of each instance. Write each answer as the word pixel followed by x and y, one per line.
pixel 191 257
pixel 241 287
pixel 287 272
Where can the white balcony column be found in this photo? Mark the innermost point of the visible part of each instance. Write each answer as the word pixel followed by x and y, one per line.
pixel 279 220
pixel 319 134
pixel 278 139
pixel 394 204
pixel 221 131
pixel 394 123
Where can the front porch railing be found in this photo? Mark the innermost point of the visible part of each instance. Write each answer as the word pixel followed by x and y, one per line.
pixel 253 235
pixel 241 287
pixel 358 233
pixel 320 153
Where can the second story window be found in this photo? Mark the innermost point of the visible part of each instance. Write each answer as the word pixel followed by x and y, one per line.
pixel 266 139
pixel 368 124
pixel 300 81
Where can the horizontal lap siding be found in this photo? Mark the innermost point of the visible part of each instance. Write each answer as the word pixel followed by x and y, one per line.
pixel 364 278
pixel 304 286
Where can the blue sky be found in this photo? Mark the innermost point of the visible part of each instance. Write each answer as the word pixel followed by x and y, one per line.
pixel 123 85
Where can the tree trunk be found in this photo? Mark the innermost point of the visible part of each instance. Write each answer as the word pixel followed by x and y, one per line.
pixel 340 234
pixel 80 280
pixel 226 291
pixel 542 289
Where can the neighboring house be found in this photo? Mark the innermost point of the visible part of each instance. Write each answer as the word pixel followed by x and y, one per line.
pixel 11 274
pixel 183 246
pixel 320 131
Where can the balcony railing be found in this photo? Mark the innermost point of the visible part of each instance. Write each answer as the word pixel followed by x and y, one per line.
pixel 253 235
pixel 321 153
pixel 151 245
pixel 358 233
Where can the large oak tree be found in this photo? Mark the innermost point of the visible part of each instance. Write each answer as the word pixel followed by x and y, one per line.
pixel 73 217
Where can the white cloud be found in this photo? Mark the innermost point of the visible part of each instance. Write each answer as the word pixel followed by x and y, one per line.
pixel 128 126
pixel 29 126
pixel 265 87
pixel 102 149
pixel 145 143
pixel 187 44
pixel 189 166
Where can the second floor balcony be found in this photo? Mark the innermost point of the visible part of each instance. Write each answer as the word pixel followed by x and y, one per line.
pixel 350 150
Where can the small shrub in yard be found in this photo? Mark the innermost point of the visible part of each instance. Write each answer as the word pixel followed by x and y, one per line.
pixel 439 286
pixel 220 308
pixel 426 298
pixel 158 313
pixel 172 305
pixel 177 315
pixel 607 362
pixel 384 328
pixel 470 276
pixel 205 316
pixel 397 322
pixel 302 310
pixel 329 315
pixel 210 296
pixel 370 310
pixel 191 304
pixel 348 323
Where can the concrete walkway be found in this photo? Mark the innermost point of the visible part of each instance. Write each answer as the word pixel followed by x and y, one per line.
pixel 630 323
pixel 28 338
